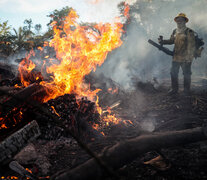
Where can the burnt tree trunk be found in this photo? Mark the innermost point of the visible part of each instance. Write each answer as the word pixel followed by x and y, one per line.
pixel 125 152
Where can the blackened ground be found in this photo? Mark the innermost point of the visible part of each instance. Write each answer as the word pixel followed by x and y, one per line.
pixel 165 113
pixel 150 111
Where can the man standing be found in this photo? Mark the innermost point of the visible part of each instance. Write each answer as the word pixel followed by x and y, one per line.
pixel 183 39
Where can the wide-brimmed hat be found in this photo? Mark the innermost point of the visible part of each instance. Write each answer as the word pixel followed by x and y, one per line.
pixel 181 15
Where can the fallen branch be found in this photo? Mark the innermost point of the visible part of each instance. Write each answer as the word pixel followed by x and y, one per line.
pixel 19 98
pixel 125 152
pixel 57 121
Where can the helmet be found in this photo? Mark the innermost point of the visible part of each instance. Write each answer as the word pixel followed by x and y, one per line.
pixel 181 15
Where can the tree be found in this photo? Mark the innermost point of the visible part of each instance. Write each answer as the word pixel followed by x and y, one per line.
pixel 28 23
pixel 7 44
pixel 48 34
pixel 28 28
pixel 38 28
pixel 4 28
pixel 6 39
pixel 59 15
pixel 20 38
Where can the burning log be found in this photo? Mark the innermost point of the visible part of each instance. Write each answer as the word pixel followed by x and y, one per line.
pixel 125 152
pixel 15 166
pixel 20 97
pixel 14 143
pixel 82 117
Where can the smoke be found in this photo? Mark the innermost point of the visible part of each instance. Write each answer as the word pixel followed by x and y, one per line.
pixel 148 125
pixel 137 58
pixel 39 59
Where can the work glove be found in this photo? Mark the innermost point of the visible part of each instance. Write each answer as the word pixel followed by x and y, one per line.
pixel 160 41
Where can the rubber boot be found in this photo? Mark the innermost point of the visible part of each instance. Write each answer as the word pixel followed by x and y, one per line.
pixel 174 86
pixel 187 84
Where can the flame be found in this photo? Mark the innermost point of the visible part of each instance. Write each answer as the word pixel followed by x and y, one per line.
pixel 27 169
pixel 126 10
pixel 79 50
pixel 2 125
pixel 16 118
pixel 113 91
pixel 40 48
pixel 17 86
pixel 54 110
pixel 9 177
pixel 111 119
pixel 25 68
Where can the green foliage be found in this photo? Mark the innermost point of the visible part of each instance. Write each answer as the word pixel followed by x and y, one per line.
pixel 48 34
pixel 7 44
pixel 59 15
pixel 4 28
pixel 28 23
pixel 24 37
pixel 20 38
pixel 6 39
pixel 28 28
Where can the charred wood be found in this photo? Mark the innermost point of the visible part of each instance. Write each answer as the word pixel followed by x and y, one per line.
pixel 125 152
pixel 6 71
pixel 20 97
pixel 14 143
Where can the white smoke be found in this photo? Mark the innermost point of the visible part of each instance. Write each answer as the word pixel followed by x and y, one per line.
pixel 138 58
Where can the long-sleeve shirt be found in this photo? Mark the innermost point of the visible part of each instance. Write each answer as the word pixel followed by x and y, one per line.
pixel 184 48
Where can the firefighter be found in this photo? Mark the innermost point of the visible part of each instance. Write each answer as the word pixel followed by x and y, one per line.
pixel 183 39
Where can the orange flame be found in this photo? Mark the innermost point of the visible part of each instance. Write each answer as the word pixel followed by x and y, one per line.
pixel 126 10
pixel 54 110
pixel 25 68
pixel 2 125
pixel 16 118
pixel 9 177
pixel 111 119
pixel 113 91
pixel 40 48
pixel 79 52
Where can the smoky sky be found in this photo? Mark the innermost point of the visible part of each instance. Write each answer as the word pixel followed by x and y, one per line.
pixel 137 58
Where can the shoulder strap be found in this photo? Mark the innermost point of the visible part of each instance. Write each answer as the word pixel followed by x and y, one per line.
pixel 190 30
pixel 174 31
pixel 187 30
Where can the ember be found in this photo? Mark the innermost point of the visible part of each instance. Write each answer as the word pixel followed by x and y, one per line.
pixel 77 115
pixel 14 117
pixel 60 120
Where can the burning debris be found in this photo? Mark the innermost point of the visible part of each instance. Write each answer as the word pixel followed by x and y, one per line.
pixel 78 51
pixel 90 127
pixel 78 115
